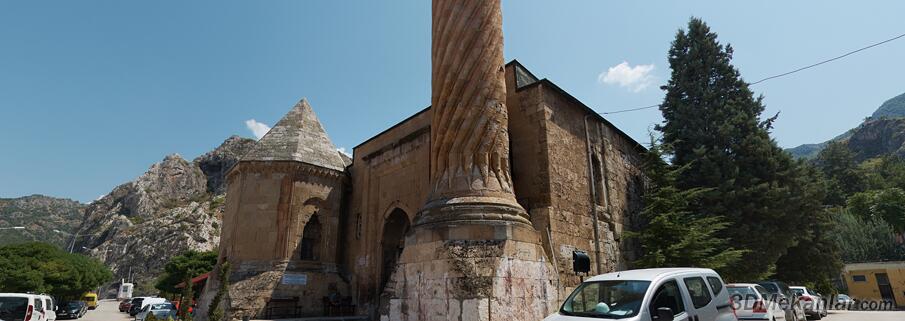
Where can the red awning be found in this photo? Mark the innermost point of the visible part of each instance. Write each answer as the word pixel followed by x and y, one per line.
pixel 195 280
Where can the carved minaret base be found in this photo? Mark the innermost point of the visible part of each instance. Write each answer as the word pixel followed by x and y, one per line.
pixel 472 253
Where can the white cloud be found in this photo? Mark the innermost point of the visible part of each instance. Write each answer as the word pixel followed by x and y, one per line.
pixel 635 78
pixel 256 128
pixel 343 150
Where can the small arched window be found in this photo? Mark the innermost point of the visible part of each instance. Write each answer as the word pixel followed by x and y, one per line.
pixel 311 237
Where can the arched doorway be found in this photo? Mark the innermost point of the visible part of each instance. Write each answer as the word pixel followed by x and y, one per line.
pixel 311 237
pixel 394 229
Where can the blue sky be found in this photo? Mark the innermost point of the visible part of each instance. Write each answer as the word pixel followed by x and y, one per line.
pixel 93 92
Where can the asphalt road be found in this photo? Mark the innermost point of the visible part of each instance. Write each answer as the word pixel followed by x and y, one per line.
pixel 865 316
pixel 107 310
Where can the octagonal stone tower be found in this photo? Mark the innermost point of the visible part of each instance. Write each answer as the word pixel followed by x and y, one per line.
pixel 472 252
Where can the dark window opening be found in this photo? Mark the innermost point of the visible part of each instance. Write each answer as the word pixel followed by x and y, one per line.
pixel 697 289
pixel 599 186
pixel 311 237
pixel 667 296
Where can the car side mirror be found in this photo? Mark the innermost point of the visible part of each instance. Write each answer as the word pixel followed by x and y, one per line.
pixel 664 314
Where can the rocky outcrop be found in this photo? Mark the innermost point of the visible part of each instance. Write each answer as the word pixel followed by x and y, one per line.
pixel 878 137
pixel 216 163
pixel 45 218
pixel 890 110
pixel 173 207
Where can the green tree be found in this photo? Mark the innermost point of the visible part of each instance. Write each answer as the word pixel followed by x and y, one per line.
pixel 884 172
pixel 215 311
pixel 674 235
pixel 838 165
pixel 816 259
pixel 862 239
pixel 713 127
pixel 886 204
pixel 191 264
pixel 44 268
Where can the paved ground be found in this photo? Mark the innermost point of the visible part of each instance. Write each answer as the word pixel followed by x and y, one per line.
pixel 107 310
pixel 865 316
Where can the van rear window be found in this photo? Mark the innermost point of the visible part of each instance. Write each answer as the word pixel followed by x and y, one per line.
pixel 13 308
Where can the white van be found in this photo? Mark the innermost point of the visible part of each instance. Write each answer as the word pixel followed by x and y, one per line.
pixel 26 307
pixel 50 306
pixel 686 294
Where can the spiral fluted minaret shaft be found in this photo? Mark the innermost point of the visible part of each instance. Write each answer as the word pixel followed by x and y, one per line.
pixel 469 134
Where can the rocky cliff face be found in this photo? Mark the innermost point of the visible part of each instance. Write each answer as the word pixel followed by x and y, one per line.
pixel 41 215
pixel 880 125
pixel 878 137
pixel 173 207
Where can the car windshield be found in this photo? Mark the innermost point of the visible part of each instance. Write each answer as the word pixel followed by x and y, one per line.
pixel 606 299
pixel 162 306
pixel 798 291
pixel 739 293
pixel 13 308
pixel 162 314
pixel 73 305
pixel 843 296
pixel 770 287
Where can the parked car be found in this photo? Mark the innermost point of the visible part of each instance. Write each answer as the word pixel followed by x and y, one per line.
pixel 649 295
pixel 91 300
pixel 844 301
pixel 135 306
pixel 752 302
pixel 71 310
pixel 142 303
pixel 124 305
pixel 811 302
pixel 781 294
pixel 160 311
pixel 22 307
pixel 50 313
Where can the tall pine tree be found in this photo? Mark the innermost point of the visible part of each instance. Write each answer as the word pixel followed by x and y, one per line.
pixel 713 126
pixel 673 235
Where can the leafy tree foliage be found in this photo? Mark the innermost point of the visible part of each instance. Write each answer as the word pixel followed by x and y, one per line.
pixel 886 204
pixel 863 239
pixel 674 235
pixel 714 131
pixel 838 165
pixel 44 268
pixel 816 258
pixel 189 264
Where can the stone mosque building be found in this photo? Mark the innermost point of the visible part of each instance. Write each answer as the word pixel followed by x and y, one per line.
pixel 471 209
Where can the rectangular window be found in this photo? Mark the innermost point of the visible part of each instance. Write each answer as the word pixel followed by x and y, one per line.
pixel 715 284
pixel 700 296
pixel 667 296
pixel 859 278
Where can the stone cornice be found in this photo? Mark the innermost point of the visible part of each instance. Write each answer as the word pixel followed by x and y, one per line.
pixel 289 167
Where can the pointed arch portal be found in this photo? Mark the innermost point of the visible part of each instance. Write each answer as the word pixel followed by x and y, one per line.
pixel 395 227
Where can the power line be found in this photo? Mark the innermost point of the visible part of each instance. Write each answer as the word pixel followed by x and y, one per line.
pixel 782 74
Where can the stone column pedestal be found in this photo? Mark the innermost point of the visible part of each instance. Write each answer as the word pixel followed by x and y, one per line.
pixel 472 273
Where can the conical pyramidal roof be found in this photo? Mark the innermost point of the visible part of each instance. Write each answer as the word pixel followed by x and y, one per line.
pixel 299 137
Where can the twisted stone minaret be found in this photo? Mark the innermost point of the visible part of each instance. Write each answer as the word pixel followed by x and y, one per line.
pixel 472 253
pixel 470 172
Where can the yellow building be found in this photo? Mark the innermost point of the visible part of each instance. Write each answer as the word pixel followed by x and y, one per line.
pixel 879 281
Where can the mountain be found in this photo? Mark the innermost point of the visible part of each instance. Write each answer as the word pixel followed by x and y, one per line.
pixel 871 134
pixel 173 207
pixel 894 107
pixel 40 215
